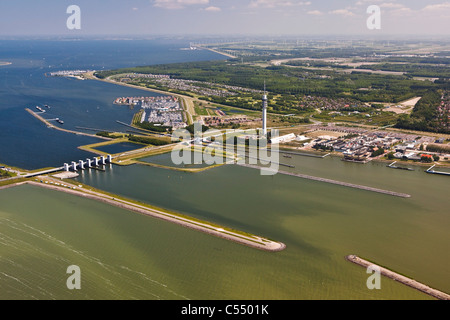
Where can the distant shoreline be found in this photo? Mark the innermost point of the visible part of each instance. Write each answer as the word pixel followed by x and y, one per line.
pixel 219 52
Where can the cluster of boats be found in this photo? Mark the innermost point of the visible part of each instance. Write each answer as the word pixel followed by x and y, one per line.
pixel 40 109
pixel 48 107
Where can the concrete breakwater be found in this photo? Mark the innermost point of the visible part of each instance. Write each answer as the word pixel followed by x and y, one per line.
pixel 341 183
pixel 49 125
pixel 249 240
pixel 398 277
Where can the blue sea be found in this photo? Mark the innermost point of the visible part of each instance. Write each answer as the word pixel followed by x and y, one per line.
pixel 26 142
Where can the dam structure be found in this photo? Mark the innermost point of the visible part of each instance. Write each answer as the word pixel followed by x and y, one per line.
pixel 88 164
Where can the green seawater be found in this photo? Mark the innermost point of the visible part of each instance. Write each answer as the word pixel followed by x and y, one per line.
pixel 165 160
pixel 124 255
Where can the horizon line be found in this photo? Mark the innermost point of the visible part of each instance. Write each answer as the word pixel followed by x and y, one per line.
pixel 251 36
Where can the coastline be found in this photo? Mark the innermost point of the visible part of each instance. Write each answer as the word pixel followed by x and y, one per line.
pixel 252 241
pixel 187 98
pixel 92 77
pixel 172 262
pixel 219 52
pixel 375 160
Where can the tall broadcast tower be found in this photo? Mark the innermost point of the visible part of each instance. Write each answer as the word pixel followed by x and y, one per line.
pixel 264 112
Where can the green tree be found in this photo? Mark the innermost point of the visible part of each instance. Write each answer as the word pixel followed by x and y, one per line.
pixel 191 128
pixel 378 152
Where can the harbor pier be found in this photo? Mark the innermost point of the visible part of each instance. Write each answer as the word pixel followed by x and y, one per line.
pixel 430 170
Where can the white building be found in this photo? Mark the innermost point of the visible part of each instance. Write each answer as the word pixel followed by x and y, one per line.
pixel 283 139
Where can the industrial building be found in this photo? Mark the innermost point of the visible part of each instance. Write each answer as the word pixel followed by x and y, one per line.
pixel 283 139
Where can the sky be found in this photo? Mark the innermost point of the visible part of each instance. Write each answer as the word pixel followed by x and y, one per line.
pixel 224 17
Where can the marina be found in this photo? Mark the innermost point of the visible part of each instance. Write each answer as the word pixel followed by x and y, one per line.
pixel 161 110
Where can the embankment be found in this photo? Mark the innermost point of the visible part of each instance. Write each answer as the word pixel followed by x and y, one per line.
pixel 34 114
pixel 340 183
pixel 241 238
pixel 402 279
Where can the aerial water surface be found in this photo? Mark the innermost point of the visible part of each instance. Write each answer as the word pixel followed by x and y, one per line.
pixel 124 255
pixel 82 105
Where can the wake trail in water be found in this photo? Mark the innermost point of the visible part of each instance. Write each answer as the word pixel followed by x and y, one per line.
pixel 112 277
